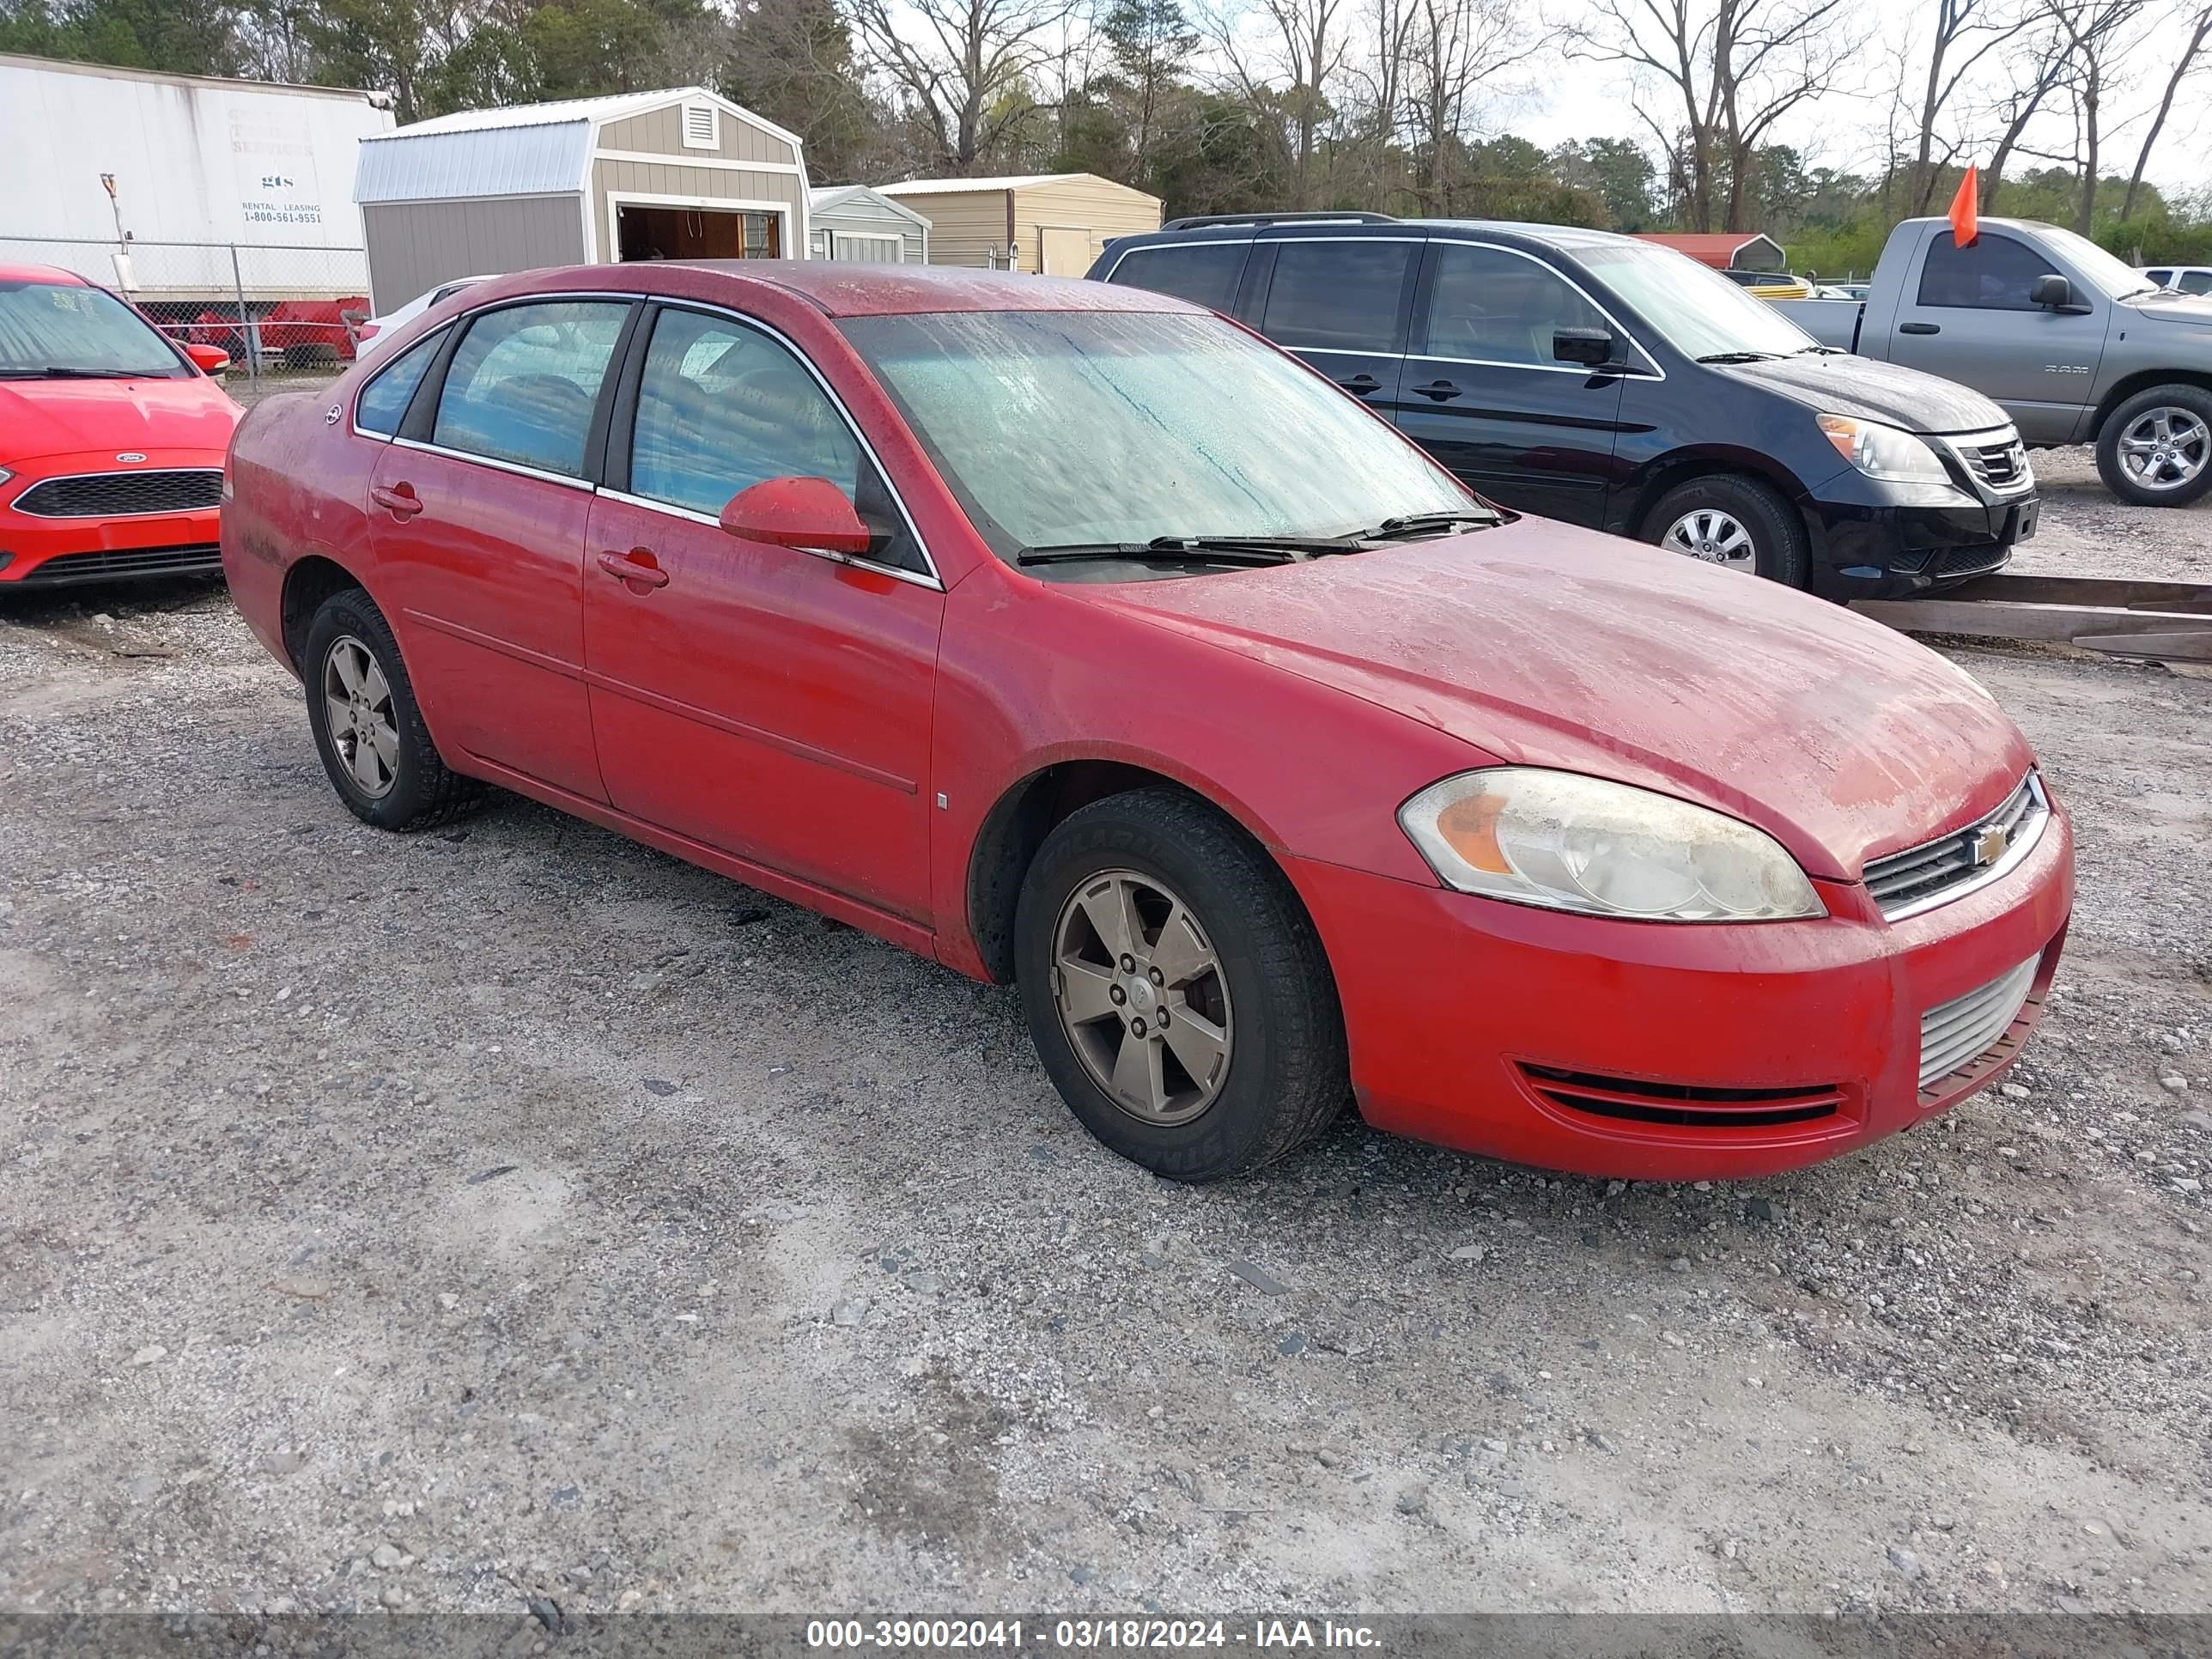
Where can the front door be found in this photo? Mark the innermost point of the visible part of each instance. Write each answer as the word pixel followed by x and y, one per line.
pixel 479 526
pixel 1970 319
pixel 1483 393
pixel 768 701
pixel 1340 303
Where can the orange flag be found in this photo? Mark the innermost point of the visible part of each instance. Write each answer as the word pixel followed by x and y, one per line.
pixel 1965 221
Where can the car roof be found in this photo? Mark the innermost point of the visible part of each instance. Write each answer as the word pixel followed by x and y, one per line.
pixel 838 289
pixel 53 274
pixel 1508 230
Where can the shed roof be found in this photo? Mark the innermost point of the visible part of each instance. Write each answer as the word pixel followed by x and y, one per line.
pixel 524 149
pixel 1009 181
pixel 836 195
pixel 1719 249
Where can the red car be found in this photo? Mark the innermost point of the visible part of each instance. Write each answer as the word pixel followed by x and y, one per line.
pixel 112 439
pixel 1078 637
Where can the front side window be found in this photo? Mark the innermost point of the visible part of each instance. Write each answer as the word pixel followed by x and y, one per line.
pixel 1489 305
pixel 1990 273
pixel 1337 296
pixel 522 384
pixel 384 400
pixel 1204 273
pixel 1064 427
pixel 64 330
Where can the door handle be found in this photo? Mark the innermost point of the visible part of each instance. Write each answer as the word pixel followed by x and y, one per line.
pixel 1439 390
pixel 638 566
pixel 1919 328
pixel 1361 385
pixel 399 499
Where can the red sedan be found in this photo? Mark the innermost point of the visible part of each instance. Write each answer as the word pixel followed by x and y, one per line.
pixel 112 439
pixel 1077 637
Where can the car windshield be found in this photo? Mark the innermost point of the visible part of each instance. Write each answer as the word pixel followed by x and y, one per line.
pixel 1064 429
pixel 50 330
pixel 1694 309
pixel 2113 278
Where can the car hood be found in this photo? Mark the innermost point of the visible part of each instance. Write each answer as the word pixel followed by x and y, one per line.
pixel 2186 308
pixel 1539 644
pixel 62 417
pixel 1836 383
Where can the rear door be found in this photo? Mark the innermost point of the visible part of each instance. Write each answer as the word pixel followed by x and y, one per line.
pixel 1483 393
pixel 1340 302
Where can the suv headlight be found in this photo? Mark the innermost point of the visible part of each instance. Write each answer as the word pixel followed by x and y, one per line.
pixel 1571 842
pixel 1885 451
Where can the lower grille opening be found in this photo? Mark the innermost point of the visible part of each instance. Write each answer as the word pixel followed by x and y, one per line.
pixel 115 564
pixel 1682 1104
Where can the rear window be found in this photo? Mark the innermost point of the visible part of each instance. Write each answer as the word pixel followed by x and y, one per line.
pixel 1205 273
pixel 1337 296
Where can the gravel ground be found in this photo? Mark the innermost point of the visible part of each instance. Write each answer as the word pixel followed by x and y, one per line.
pixel 513 1211
pixel 2085 531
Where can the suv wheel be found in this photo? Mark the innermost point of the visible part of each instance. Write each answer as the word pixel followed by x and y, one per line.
pixel 2156 449
pixel 361 706
pixel 1737 523
pixel 1176 990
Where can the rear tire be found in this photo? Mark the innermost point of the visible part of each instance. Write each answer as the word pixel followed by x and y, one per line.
pixel 2156 449
pixel 1713 518
pixel 1250 1062
pixel 368 726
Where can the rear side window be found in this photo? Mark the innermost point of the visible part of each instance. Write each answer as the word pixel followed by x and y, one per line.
pixel 384 400
pixel 522 384
pixel 1488 306
pixel 1337 296
pixel 2196 281
pixel 1205 273
pixel 1994 273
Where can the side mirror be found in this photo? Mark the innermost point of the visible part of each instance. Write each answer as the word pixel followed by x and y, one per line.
pixel 803 512
pixel 210 359
pixel 1590 347
pixel 2050 290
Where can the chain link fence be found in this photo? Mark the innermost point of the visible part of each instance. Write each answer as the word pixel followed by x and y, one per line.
pixel 282 312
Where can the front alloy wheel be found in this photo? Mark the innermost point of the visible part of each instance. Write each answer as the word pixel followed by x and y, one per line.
pixel 1714 536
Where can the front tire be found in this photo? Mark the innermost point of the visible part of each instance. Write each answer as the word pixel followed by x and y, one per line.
pixel 368 726
pixel 1735 522
pixel 1175 990
pixel 2156 449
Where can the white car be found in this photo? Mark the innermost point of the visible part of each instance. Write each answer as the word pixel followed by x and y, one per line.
pixel 2190 279
pixel 367 335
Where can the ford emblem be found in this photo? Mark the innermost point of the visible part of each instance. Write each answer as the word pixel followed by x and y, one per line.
pixel 129 455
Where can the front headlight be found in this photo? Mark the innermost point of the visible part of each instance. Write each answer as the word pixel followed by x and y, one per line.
pixel 1569 843
pixel 1884 452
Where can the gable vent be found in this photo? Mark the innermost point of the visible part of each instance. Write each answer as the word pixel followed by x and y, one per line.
pixel 703 127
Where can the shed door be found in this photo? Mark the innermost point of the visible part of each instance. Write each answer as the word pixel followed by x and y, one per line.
pixel 868 247
pixel 1066 248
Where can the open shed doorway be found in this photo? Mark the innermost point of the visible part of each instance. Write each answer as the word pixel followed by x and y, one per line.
pixel 655 232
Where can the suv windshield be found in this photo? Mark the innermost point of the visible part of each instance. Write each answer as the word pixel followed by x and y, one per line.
pixel 1697 311
pixel 56 330
pixel 1085 427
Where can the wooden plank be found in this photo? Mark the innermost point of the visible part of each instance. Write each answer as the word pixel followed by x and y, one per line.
pixel 2187 599
pixel 2110 628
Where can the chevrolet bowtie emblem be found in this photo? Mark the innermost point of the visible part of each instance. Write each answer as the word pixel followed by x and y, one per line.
pixel 1989 843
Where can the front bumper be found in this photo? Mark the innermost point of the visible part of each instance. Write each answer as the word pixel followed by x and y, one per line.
pixel 1525 1034
pixel 1871 540
pixel 39 551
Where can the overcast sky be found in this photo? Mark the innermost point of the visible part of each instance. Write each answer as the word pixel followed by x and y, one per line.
pixel 1845 131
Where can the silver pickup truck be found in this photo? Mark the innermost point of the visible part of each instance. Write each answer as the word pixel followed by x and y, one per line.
pixel 2075 345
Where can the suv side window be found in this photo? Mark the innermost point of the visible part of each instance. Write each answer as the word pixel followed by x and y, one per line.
pixel 523 383
pixel 1993 273
pixel 721 407
pixel 383 402
pixel 1204 273
pixel 1339 295
pixel 1489 305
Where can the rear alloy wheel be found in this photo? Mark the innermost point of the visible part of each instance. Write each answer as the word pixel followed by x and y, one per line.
pixel 2156 449
pixel 1734 522
pixel 360 705
pixel 1175 990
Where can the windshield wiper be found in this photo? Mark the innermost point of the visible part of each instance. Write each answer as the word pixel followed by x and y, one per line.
pixel 1162 550
pixel 53 372
pixel 1821 350
pixel 1412 523
pixel 1736 357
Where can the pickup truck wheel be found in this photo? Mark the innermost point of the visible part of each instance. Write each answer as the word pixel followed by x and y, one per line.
pixel 1175 990
pixel 362 709
pixel 2156 449
pixel 1737 523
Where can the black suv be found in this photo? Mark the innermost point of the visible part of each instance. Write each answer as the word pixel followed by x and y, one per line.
pixel 1613 382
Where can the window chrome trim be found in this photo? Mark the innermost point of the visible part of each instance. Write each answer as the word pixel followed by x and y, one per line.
pixel 496 463
pixel 2014 856
pixel 872 566
pixel 214 472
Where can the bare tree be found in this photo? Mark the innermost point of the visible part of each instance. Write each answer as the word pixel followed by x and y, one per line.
pixel 962 68
pixel 1966 32
pixel 2092 31
pixel 2039 70
pixel 1300 48
pixel 1736 68
pixel 2200 31
pixel 1456 50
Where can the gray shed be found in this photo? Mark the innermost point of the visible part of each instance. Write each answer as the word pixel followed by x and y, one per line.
pixel 683 173
pixel 852 223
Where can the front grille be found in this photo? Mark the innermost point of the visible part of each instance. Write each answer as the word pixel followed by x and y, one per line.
pixel 1921 877
pixel 116 494
pixel 1954 1035
pixel 1997 460
pixel 1680 1104
pixel 66 569
pixel 1960 561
